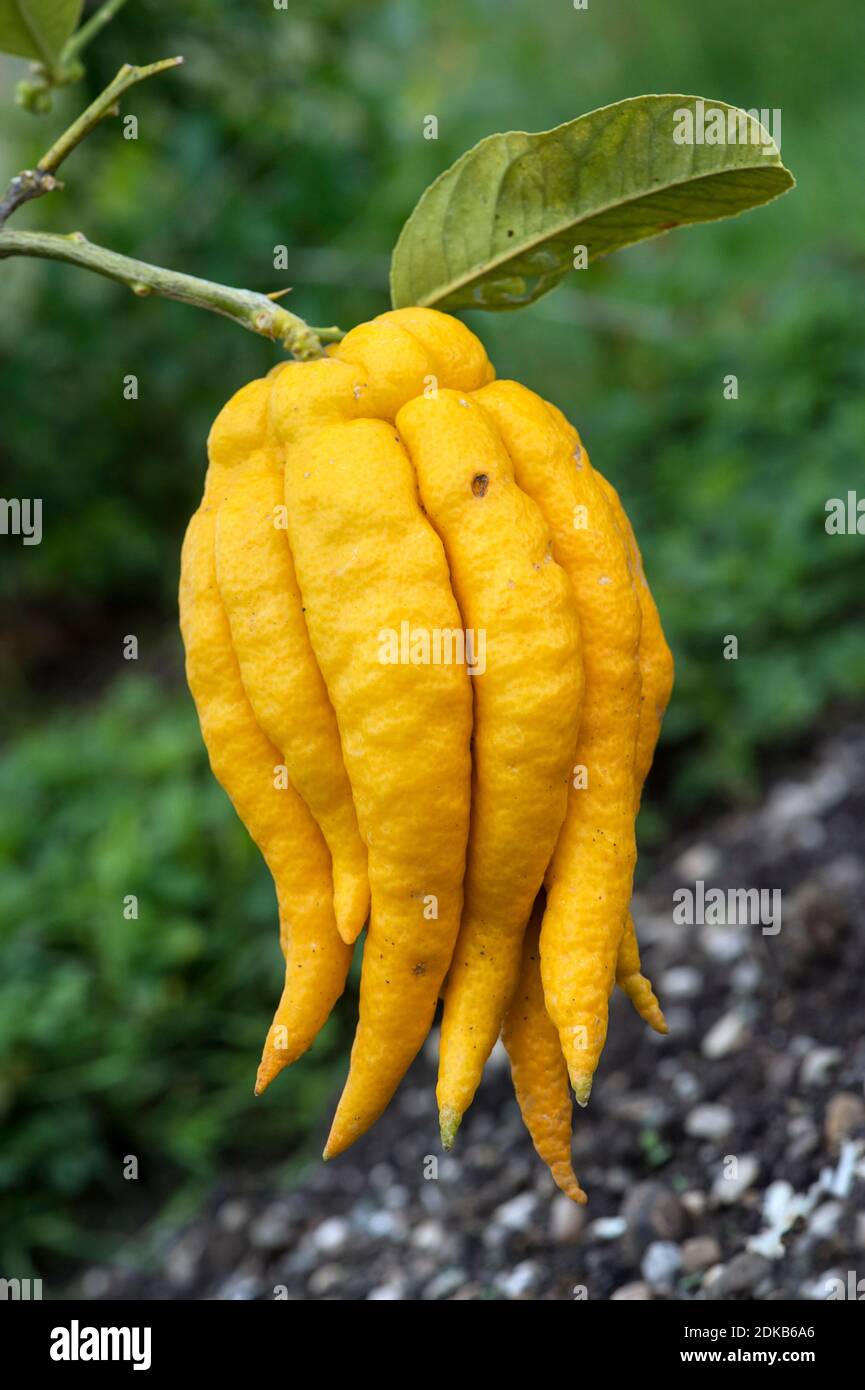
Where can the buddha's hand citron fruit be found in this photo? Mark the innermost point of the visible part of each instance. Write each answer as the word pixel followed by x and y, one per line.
pixel 429 676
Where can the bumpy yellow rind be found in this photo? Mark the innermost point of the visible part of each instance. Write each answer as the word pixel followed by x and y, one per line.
pixel 282 681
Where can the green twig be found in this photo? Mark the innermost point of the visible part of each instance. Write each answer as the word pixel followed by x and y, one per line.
pixel 256 312
pixel 33 183
pixel 88 31
pixel 104 105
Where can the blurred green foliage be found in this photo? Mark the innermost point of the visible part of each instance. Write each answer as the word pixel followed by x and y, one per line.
pixel 304 127
pixel 124 1035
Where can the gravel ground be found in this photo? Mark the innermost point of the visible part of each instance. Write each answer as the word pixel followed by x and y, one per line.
pixel 726 1161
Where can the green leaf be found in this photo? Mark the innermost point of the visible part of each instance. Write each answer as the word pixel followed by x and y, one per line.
pixel 37 29
pixel 498 229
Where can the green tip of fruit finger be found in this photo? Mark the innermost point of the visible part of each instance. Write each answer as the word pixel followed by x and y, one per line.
pixel 449 1123
pixel 582 1087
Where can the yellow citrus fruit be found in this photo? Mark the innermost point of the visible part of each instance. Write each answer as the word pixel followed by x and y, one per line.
pixel 408 593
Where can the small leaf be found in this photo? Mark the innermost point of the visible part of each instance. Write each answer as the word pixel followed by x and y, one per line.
pixel 37 29
pixel 501 226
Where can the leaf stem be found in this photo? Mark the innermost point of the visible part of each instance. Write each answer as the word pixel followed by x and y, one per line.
pixel 88 31
pixel 256 312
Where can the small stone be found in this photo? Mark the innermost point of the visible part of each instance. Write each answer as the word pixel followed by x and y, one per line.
pixel 782 1208
pixel 519 1280
pixel 844 875
pixel 239 1288
pixel 607 1228
pixel 695 1203
pixel 652 1212
pixel 746 976
pixel 817 1065
pixel 698 862
pixel 700 1253
pixel 429 1235
pixel 445 1283
pixel 385 1225
pixel 825 1221
pixel 831 1284
pixel 780 1069
pixel 271 1229
pixel 382 1176
pixel 728 1189
pixel 789 802
pixel 743 1275
pixel 631 1293
pixel 845 1116
pixel 385 1293
pixel 184 1259
pixel 96 1283
pixel 839 1181
pixel 650 1111
pixel 723 944
pixel 233 1215
pixel 709 1122
pixel 331 1235
pixel 660 1265
pixel 809 834
pixel 712 1275
pixel 396 1198
pixel 615 1179
pixel 728 1034
pixel 804 1138
pixel 516 1214
pixel 860 1230
pixel 829 786
pixel 680 982
pixel 567 1220
pixel 686 1086
pixel 326 1278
